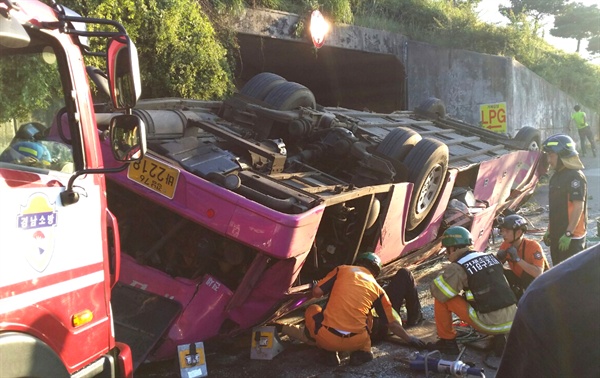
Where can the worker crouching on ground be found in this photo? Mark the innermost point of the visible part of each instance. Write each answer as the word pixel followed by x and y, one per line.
pixel 525 257
pixel 344 324
pixel 402 291
pixel 488 304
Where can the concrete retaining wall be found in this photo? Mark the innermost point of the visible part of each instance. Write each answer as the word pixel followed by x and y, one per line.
pixel 462 79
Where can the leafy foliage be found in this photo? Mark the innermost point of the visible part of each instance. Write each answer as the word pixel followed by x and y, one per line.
pixel 578 22
pixel 183 55
pixel 594 45
pixel 24 93
pixel 179 54
pixel 536 9
pixel 455 24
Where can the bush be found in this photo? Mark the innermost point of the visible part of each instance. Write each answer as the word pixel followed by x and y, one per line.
pixel 179 53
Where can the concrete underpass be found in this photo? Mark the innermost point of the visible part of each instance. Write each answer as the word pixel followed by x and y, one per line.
pixel 361 68
pixel 337 76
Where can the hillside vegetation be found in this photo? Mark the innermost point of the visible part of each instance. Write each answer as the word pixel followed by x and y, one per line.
pixel 454 24
pixel 186 48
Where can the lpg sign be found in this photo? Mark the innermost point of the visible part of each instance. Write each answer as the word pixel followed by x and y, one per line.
pixel 493 117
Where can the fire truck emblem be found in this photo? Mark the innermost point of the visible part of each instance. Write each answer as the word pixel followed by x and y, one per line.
pixel 37 222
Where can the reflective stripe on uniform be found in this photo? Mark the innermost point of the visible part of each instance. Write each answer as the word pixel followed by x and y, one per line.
pixel 492 329
pixel 28 150
pixel 443 286
pixel 469 295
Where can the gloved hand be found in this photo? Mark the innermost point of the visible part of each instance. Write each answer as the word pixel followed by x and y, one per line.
pixel 546 238
pixel 416 342
pixel 512 252
pixel 501 255
pixel 564 242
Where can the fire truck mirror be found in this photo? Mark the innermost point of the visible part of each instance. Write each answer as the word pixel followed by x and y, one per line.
pixel 123 72
pixel 127 137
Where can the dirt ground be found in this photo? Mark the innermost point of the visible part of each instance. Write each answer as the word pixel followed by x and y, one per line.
pixel 231 357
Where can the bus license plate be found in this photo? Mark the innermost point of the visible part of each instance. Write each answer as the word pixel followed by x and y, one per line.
pixel 154 175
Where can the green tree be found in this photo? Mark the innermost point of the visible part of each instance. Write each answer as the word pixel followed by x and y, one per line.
pixel 578 22
pixel 536 9
pixel 594 45
pixel 28 84
pixel 180 54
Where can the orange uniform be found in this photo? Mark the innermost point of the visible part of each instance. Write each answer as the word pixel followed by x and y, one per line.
pixel 529 251
pixel 344 323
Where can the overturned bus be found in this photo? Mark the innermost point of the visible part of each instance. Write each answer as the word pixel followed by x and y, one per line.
pixel 240 204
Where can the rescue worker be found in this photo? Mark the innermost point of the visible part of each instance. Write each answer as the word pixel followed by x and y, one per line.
pixel 525 256
pixel 403 290
pixel 583 129
pixel 26 147
pixel 33 154
pixel 343 325
pixel 567 200
pixel 555 332
pixel 487 303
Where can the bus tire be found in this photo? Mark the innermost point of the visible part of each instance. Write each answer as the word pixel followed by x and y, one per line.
pixel 528 138
pixel 260 85
pixel 290 96
pixel 427 164
pixel 398 143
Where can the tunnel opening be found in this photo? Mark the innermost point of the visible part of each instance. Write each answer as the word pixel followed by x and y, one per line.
pixel 337 76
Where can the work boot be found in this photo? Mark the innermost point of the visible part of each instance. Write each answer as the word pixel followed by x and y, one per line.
pixel 329 358
pixel 415 322
pixel 447 346
pixel 498 344
pixel 360 357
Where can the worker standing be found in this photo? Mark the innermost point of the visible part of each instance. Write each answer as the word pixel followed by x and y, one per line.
pixel 583 129
pixel 343 325
pixel 567 200
pixel 487 303
pixel 525 256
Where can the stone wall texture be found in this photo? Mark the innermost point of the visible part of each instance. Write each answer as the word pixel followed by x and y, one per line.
pixel 463 79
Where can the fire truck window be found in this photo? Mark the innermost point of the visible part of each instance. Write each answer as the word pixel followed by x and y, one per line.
pixel 30 99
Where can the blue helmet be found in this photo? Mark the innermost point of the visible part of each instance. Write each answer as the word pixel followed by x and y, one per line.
pixel 30 131
pixel 560 144
pixel 33 150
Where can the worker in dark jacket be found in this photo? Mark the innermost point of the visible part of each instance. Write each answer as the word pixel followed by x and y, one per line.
pixel 556 330
pixel 487 303
pixel 402 291
pixel 567 199
pixel 525 257
pixel 344 324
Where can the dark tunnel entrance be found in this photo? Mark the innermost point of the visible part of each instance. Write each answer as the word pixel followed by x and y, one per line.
pixel 338 77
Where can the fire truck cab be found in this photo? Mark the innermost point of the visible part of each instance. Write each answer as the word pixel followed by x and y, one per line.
pixel 59 243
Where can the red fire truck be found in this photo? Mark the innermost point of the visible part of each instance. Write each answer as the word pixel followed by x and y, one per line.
pixel 59 244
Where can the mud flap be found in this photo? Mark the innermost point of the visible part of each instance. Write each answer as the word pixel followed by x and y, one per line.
pixel 141 319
